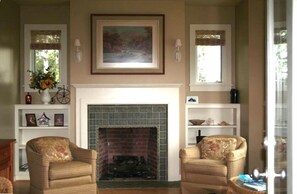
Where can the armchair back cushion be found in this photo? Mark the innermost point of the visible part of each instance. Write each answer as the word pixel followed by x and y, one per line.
pixel 55 149
pixel 217 148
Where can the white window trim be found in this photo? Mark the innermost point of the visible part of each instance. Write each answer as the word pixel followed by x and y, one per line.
pixel 27 55
pixel 226 61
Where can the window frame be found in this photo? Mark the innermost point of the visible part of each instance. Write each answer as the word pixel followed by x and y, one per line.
pixel 28 54
pixel 225 85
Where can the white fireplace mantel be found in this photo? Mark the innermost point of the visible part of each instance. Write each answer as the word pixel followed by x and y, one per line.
pixel 96 94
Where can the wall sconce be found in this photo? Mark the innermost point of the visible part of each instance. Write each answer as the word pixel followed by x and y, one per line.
pixel 178 44
pixel 78 53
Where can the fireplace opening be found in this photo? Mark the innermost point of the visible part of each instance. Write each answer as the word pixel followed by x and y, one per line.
pixel 128 153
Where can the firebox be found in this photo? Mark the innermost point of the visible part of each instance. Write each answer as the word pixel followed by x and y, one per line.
pixel 128 153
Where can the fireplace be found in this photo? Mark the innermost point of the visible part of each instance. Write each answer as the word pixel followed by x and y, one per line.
pixel 110 95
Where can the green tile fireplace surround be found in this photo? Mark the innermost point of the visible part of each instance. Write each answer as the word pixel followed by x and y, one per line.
pixel 125 116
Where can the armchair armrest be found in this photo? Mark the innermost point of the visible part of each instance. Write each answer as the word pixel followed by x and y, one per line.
pixel 237 154
pixel 84 155
pixel 36 158
pixel 236 160
pixel 39 167
pixel 81 154
pixel 189 153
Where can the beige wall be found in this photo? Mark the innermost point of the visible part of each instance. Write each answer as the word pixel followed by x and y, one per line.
pixel 80 28
pixel 242 62
pixel 174 11
pixel 39 15
pixel 256 81
pixel 248 24
pixel 246 20
pixel 250 48
pixel 9 63
pixel 209 15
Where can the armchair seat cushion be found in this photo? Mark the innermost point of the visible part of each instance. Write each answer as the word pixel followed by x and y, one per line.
pixel 206 167
pixel 60 183
pixel 62 170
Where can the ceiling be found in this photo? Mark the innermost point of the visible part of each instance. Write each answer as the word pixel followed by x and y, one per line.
pixel 190 2
pixel 42 2
pixel 214 2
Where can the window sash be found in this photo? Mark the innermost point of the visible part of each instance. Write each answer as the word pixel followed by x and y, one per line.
pixel 210 37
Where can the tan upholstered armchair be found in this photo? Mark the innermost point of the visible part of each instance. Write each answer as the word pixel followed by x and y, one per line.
pixel 207 167
pixel 58 166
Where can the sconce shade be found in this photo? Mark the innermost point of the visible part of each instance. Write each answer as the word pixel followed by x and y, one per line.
pixel 78 53
pixel 77 42
pixel 178 43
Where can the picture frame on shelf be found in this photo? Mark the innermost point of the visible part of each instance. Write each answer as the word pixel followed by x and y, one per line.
pixel 31 120
pixel 59 120
pixel 192 100
pixel 127 44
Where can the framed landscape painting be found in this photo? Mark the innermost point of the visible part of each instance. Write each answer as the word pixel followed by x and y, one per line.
pixel 127 44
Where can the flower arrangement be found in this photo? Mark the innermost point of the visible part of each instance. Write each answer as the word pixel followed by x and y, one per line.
pixel 43 80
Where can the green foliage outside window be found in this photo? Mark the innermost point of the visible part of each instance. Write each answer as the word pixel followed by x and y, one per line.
pixel 47 58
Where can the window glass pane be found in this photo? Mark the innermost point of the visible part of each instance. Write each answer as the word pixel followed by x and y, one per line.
pixel 280 51
pixel 209 66
pixel 42 59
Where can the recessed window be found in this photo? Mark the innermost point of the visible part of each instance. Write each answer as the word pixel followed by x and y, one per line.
pixel 45 46
pixel 210 57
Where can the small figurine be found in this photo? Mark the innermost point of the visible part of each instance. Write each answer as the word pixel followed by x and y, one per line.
pixel 43 120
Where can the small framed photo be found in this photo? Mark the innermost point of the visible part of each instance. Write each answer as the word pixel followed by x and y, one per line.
pixel 192 100
pixel 59 120
pixel 31 120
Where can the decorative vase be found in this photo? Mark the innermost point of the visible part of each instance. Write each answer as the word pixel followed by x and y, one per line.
pixel 28 98
pixel 45 96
